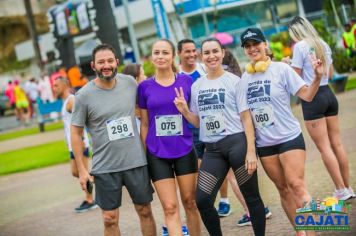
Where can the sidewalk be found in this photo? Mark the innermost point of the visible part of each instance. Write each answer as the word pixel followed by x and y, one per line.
pixel 41 202
pixel 31 140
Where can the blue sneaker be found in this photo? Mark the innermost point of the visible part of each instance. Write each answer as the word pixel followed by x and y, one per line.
pixel 245 220
pixel 185 230
pixel 224 209
pixel 164 231
pixel 267 212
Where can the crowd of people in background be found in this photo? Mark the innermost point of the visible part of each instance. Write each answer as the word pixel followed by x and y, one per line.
pixel 25 93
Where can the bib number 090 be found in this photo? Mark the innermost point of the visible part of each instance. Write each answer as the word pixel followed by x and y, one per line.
pixel 212 125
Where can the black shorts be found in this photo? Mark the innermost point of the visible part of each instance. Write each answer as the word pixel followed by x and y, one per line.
pixel 324 104
pixel 161 168
pixel 108 187
pixel 297 143
pixel 85 153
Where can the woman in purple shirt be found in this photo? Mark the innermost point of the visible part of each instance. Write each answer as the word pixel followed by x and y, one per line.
pixel 168 140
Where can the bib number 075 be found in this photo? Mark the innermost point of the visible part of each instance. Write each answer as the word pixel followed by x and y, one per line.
pixel 168 125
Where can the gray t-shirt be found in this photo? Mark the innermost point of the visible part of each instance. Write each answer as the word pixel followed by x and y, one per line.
pixel 110 117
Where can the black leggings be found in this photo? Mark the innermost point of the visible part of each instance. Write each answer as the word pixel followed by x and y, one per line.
pixel 229 152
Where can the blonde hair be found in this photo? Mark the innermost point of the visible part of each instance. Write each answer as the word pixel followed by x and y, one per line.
pixel 301 29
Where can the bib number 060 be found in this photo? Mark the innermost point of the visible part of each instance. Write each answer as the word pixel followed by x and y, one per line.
pixel 261 118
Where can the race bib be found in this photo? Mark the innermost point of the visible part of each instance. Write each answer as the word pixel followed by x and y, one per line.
pixel 120 128
pixel 214 124
pixel 169 125
pixel 263 117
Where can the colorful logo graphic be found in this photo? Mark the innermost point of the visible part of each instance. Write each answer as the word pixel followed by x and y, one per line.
pixel 329 214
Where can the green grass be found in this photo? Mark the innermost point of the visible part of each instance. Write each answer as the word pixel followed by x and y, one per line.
pixel 351 84
pixel 29 131
pixel 33 157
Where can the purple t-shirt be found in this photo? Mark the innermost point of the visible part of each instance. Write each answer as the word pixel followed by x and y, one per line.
pixel 158 101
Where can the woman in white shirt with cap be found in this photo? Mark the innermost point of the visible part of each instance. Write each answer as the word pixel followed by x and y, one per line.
pixel 280 145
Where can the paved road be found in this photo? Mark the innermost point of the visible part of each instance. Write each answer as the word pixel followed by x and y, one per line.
pixel 41 202
pixel 8 123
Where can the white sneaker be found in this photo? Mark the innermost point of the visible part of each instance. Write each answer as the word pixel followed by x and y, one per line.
pixel 342 194
pixel 351 191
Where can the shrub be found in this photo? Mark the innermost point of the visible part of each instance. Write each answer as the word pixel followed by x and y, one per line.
pixel 343 63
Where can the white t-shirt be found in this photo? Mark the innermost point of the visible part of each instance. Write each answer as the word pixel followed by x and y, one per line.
pixel 218 104
pixel 66 117
pixel 32 90
pixel 301 60
pixel 44 87
pixel 268 97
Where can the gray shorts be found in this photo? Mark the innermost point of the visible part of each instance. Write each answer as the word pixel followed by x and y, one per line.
pixel 108 187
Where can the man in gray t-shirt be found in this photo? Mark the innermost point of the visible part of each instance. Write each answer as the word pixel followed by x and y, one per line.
pixel 106 107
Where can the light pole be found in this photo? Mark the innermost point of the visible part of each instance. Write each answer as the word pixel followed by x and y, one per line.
pixel 215 15
pixel 33 33
pixel 301 8
pixel 205 18
pixel 133 39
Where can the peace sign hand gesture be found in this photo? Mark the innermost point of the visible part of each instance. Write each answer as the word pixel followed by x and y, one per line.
pixel 318 66
pixel 180 101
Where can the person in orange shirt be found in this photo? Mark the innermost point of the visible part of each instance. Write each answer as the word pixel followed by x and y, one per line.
pixel 75 78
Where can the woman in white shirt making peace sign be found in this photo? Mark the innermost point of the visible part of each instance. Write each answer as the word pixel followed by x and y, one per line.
pixel 227 130
pixel 267 86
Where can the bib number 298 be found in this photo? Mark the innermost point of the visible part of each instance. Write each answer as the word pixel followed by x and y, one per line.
pixel 119 128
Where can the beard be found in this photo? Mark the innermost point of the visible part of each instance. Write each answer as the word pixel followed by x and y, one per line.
pixel 107 78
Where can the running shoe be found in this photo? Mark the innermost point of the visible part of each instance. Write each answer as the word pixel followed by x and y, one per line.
pixel 351 191
pixel 244 221
pixel 224 209
pixel 342 194
pixel 267 212
pixel 185 230
pixel 85 206
pixel 164 231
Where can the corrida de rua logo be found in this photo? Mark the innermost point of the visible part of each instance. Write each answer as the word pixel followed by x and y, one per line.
pixel 329 214
pixel 259 91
